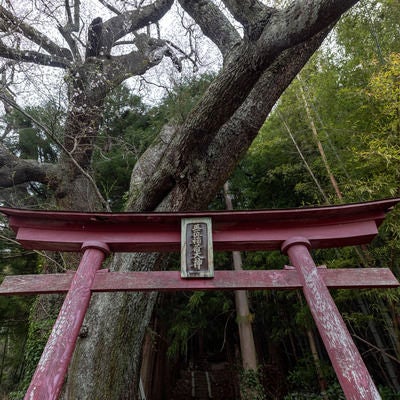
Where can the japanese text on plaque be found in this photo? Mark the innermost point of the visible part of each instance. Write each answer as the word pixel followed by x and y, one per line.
pixel 198 250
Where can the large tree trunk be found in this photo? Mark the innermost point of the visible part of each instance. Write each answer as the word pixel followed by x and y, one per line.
pixel 87 93
pixel 107 362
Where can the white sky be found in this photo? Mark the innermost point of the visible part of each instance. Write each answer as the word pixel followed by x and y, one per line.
pixel 37 84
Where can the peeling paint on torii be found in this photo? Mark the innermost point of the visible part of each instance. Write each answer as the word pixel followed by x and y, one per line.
pixel 294 231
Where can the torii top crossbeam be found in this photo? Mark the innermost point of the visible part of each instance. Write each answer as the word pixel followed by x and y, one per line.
pixel 332 226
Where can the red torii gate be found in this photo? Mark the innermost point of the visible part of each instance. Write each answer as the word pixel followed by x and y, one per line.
pixel 294 231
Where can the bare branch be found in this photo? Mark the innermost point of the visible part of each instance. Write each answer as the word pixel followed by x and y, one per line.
pixel 213 23
pixel 68 12
pixel 185 56
pixel 77 15
pixel 5 82
pixel 66 34
pixel 6 91
pixel 33 57
pixel 10 21
pixel 119 26
pixel 110 7
pixel 73 24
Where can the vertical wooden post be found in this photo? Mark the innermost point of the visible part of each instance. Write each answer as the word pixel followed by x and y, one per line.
pixel 247 345
pixel 53 365
pixel 350 369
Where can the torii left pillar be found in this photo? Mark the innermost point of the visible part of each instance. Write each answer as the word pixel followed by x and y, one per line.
pixel 58 353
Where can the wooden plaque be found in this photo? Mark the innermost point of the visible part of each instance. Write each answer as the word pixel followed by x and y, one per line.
pixel 196 248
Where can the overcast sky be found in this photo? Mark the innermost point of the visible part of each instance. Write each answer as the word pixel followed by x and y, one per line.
pixel 35 85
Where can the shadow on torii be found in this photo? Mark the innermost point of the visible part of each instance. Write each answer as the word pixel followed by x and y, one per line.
pixel 196 235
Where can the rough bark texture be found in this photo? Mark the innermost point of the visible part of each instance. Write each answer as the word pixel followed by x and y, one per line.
pixel 186 165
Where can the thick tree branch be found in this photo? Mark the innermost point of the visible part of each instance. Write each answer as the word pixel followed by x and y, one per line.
pixel 33 57
pixel 69 155
pixel 110 7
pixel 213 23
pixel 247 12
pixel 216 164
pixel 10 22
pixel 246 64
pixel 66 34
pixel 185 154
pixel 148 163
pixel 120 25
pixel 14 171
pixel 207 169
pixel 300 21
pixel 73 23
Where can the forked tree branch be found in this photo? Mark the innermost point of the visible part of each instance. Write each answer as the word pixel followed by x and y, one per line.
pixel 199 131
pixel 72 43
pixel 72 25
pixel 8 21
pixel 151 52
pixel 237 134
pixel 119 26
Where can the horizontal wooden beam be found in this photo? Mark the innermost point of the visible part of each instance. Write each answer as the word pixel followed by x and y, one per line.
pixel 241 238
pixel 223 280
pixel 325 214
pixel 332 226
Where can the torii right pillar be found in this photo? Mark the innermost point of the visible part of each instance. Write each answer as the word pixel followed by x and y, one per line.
pixel 350 369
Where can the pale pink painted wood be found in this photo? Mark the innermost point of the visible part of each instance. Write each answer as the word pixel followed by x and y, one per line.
pixel 254 236
pixel 356 211
pixel 331 226
pixel 223 280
